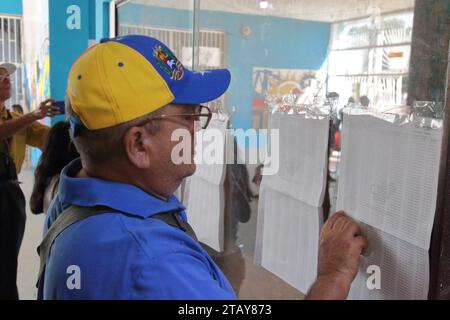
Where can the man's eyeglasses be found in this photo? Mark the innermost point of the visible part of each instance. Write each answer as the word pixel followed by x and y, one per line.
pixel 202 114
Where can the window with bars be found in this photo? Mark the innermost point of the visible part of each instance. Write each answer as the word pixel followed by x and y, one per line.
pixel 11 51
pixel 370 57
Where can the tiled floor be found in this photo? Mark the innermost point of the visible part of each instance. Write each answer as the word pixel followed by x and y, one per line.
pixel 28 257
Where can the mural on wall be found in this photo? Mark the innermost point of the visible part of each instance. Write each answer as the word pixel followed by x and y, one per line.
pixel 274 84
pixel 36 59
pixel 36 52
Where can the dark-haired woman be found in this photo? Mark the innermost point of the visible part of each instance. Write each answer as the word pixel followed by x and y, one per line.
pixel 57 153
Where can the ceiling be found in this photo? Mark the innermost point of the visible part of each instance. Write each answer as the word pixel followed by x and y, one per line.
pixel 317 10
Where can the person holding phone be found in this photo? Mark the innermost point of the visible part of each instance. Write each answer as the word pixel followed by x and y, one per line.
pixel 16 131
pixel 61 104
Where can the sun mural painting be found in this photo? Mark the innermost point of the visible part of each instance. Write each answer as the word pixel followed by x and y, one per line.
pixel 283 88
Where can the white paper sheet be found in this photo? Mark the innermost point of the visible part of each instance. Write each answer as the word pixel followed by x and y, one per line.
pixel 404 269
pixel 303 158
pixel 388 181
pixel 205 211
pixel 389 176
pixel 204 195
pixel 288 235
pixel 179 192
pixel 289 213
pixel 214 173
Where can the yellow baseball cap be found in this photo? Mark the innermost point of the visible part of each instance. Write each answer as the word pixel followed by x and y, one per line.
pixel 127 77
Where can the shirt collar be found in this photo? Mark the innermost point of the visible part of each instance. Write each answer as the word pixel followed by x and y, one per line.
pixel 119 196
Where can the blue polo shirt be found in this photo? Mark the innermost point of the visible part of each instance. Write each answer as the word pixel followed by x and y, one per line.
pixel 116 256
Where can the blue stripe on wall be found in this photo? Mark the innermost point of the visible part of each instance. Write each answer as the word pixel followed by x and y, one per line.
pixel 65 45
pixel 98 16
pixel 11 7
pixel 105 19
pixel 274 43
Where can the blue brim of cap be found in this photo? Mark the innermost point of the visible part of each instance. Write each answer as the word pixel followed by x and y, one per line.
pixel 202 87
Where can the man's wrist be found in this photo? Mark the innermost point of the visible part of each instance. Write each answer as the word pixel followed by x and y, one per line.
pixel 338 279
pixel 332 286
pixel 34 115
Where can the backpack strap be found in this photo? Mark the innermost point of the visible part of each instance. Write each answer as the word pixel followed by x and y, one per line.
pixel 172 219
pixel 74 214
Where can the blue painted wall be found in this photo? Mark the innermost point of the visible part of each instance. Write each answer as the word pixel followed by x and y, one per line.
pixel 105 18
pixel 98 19
pixel 274 43
pixel 11 7
pixel 66 45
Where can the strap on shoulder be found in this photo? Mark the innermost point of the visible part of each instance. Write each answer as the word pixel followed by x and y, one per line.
pixel 74 214
pixel 68 217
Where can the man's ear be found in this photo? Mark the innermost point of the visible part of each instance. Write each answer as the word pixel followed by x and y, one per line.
pixel 136 143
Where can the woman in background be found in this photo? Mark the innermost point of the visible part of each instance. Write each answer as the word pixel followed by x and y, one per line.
pixel 57 153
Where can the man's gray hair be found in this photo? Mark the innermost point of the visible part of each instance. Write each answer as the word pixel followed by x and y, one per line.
pixel 100 146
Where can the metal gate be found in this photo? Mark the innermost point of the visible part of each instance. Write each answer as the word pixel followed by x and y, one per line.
pixel 11 51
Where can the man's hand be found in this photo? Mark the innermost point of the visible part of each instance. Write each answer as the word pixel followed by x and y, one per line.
pixel 11 127
pixel 46 110
pixel 341 245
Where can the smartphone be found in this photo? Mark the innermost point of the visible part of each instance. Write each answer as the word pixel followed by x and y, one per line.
pixel 61 105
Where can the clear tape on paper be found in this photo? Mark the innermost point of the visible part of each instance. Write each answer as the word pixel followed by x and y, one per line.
pixel 424 114
pixel 222 113
pixel 290 104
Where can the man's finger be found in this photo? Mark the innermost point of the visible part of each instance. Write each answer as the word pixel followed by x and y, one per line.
pixel 354 228
pixel 45 102
pixel 342 223
pixel 332 220
pixel 362 243
pixel 52 113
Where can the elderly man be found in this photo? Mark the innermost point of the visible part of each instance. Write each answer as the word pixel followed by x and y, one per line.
pixel 16 131
pixel 116 230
